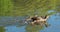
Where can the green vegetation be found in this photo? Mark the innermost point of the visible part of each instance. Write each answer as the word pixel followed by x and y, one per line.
pixel 27 7
pixel 6 7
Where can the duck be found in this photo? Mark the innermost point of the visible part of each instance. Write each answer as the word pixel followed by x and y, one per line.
pixel 41 20
pixel 31 20
pixel 37 20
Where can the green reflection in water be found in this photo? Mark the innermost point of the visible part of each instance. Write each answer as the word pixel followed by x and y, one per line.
pixel 2 29
pixel 35 28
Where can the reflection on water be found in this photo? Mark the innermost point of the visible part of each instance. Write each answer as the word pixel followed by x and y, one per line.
pixel 6 21
pixel 35 28
pixel 2 29
pixel 15 24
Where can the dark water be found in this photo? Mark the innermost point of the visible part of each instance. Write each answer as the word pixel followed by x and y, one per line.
pixel 15 24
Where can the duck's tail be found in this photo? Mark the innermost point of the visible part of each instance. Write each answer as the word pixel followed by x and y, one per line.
pixel 47 17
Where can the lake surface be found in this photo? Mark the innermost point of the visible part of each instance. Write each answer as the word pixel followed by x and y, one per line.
pixel 15 24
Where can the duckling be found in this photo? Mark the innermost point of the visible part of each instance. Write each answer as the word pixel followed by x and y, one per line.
pixel 41 20
pixel 32 18
pixel 38 20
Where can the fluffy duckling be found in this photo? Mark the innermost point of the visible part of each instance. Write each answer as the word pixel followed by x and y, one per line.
pixel 41 20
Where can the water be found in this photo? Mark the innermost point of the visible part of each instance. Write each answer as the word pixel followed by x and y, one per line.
pixel 54 20
pixel 12 24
